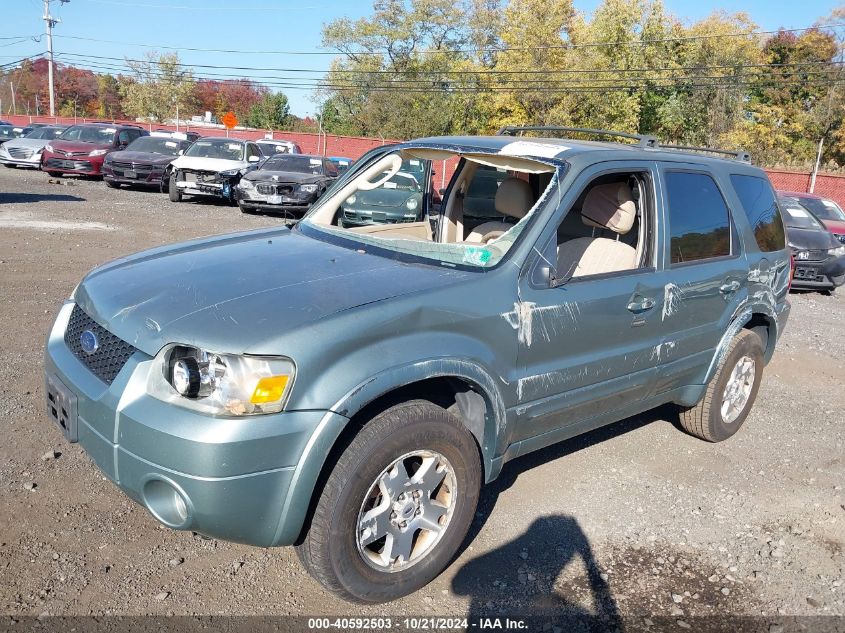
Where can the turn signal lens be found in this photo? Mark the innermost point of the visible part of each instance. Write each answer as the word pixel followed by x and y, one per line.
pixel 269 389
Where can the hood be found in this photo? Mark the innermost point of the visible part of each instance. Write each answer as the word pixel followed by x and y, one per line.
pixel 78 146
pixel 811 240
pixel 267 175
pixel 234 292
pixel 34 143
pixel 147 158
pixel 208 164
pixel 834 226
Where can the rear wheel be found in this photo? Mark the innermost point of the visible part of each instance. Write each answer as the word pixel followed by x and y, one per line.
pixel 396 506
pixel 173 191
pixel 730 394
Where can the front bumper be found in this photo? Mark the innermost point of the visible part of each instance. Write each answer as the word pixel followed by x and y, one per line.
pixel 146 178
pixel 295 202
pixel 823 275
pixel 33 161
pixel 227 478
pixel 366 217
pixel 82 165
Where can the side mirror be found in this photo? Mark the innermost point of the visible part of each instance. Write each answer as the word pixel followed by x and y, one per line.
pixel 181 151
pixel 442 191
pixel 253 159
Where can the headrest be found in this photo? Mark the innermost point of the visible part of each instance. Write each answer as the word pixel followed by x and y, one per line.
pixel 610 206
pixel 514 197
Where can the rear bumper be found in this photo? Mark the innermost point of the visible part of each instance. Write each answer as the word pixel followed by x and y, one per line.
pixel 229 478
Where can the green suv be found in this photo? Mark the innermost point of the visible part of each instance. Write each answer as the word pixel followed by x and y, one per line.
pixel 348 391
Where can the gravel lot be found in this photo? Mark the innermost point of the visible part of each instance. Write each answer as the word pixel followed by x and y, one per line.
pixel 638 519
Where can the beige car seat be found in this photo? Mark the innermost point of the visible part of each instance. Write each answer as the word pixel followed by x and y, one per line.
pixel 609 206
pixel 514 198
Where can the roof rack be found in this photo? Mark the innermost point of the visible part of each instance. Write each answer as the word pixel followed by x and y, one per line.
pixel 643 140
pixel 740 154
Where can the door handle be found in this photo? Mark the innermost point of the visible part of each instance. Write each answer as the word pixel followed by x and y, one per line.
pixel 731 286
pixel 646 303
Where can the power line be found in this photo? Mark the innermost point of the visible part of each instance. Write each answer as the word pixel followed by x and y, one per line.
pixel 493 49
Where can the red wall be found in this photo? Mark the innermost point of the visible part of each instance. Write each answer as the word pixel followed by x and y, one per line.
pixel 827 185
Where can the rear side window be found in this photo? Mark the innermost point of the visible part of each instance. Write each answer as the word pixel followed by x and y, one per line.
pixel 699 223
pixel 761 208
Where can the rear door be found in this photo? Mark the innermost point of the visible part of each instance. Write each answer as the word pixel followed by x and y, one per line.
pixel 705 272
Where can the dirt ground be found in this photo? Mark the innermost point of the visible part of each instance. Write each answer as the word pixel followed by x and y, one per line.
pixel 636 520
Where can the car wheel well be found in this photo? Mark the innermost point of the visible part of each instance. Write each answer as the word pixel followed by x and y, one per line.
pixel 458 396
pixel 761 325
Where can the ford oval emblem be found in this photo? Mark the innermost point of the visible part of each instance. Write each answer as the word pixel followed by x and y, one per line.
pixel 89 342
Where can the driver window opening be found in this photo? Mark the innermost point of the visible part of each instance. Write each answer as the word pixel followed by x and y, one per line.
pixel 607 229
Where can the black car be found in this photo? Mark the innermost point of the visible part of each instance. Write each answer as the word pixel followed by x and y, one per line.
pixel 285 182
pixel 7 132
pixel 143 162
pixel 398 200
pixel 819 257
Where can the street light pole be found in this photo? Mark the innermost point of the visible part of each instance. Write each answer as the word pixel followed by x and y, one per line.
pixel 51 22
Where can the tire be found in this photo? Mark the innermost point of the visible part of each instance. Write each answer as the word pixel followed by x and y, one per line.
pixel 55 174
pixel 172 190
pixel 8 166
pixel 245 209
pixel 112 185
pixel 332 551
pixel 706 419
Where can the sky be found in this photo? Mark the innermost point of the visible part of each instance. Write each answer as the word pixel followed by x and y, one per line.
pixel 132 27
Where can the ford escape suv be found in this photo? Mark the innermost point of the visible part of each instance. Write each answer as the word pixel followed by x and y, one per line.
pixel 349 390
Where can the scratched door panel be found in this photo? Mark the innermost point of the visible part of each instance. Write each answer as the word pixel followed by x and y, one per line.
pixel 583 352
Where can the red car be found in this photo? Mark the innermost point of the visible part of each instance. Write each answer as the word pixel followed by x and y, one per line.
pixel 80 149
pixel 826 210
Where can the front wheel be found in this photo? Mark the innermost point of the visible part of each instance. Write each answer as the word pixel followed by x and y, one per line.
pixel 112 185
pixel 54 174
pixel 245 208
pixel 173 191
pixel 731 392
pixel 396 507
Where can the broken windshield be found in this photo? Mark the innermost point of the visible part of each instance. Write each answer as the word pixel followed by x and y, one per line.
pixel 476 240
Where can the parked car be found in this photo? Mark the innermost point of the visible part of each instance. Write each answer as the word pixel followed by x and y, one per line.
pixel 26 151
pixel 180 136
pixel 819 256
pixel 21 130
pixel 271 147
pixel 81 149
pixel 398 200
pixel 7 132
pixel 349 390
pixel 342 163
pixel 826 210
pixel 286 183
pixel 143 162
pixel 211 167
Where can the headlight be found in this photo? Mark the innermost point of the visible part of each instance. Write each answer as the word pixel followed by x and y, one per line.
pixel 247 184
pixel 412 203
pixel 308 188
pixel 229 173
pixel 49 148
pixel 222 384
pixel 98 152
pixel 836 252
pixel 351 199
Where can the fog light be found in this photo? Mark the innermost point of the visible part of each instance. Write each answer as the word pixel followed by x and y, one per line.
pixel 166 502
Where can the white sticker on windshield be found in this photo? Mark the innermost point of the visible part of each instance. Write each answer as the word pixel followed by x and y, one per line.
pixel 414 162
pixel 526 148
pixel 390 185
pixel 110 130
pixel 170 144
pixel 314 161
pixel 828 204
pixel 236 146
pixel 796 212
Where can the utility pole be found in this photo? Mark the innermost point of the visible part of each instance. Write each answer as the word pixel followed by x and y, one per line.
pixel 51 22
pixel 816 167
pixel 14 107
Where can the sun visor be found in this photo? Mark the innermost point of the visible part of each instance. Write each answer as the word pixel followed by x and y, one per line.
pixel 499 161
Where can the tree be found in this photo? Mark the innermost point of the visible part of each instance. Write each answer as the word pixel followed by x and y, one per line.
pixel 271 113
pixel 159 84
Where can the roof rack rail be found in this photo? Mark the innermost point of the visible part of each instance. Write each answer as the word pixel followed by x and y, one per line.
pixel 740 154
pixel 512 130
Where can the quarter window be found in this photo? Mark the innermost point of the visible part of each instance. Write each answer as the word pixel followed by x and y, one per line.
pixel 699 222
pixel 761 209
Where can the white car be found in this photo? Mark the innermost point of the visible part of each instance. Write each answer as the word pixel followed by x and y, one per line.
pixel 271 147
pixel 26 151
pixel 211 167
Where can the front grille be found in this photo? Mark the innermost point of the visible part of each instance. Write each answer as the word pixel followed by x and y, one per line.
pixel 816 256
pixel 111 354
pixel 269 190
pixel 20 152
pixel 138 167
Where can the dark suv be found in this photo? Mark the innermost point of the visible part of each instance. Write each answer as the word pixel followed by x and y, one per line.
pixel 349 390
pixel 81 149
